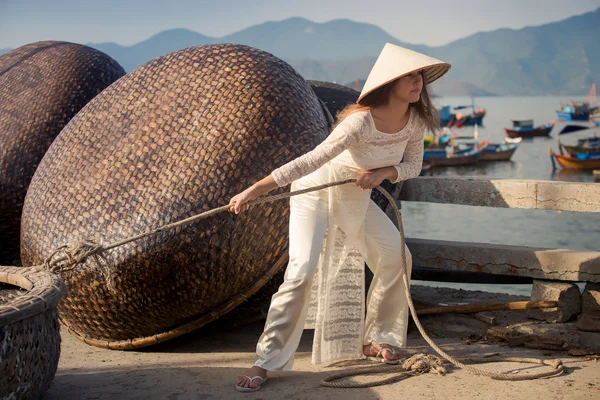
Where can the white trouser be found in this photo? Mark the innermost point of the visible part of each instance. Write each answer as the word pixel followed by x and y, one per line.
pixel 289 306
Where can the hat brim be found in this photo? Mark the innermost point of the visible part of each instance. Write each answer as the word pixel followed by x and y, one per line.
pixel 431 73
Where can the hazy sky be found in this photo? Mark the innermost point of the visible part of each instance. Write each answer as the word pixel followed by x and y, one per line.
pixel 431 22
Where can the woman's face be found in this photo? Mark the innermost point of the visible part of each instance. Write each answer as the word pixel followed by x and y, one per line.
pixel 408 87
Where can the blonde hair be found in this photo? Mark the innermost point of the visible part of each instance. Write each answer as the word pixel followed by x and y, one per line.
pixel 381 96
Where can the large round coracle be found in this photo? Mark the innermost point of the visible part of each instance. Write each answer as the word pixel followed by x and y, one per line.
pixel 335 96
pixel 178 136
pixel 42 86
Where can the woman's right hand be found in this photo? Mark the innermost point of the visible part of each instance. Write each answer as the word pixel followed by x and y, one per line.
pixel 239 202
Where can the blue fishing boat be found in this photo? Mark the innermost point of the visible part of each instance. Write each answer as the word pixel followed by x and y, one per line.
pixel 491 151
pixel 579 110
pixel 449 117
pixel 450 156
pixel 574 111
pixel 446 115
pixel 474 118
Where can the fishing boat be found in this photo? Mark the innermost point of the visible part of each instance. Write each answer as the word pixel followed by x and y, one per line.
pixel 524 128
pixel 447 117
pixel 450 119
pixel 574 111
pixel 499 151
pixel 580 161
pixel 579 110
pixel 476 118
pixel 492 151
pixel 584 146
pixel 450 157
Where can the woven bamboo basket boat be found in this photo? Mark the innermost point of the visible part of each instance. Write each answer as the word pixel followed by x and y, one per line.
pixel 29 331
pixel 42 86
pixel 177 136
pixel 335 96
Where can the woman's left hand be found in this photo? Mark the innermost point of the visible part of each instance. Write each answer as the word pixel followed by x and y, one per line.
pixel 369 179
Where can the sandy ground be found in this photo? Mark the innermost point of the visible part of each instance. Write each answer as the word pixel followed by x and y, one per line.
pixel 205 364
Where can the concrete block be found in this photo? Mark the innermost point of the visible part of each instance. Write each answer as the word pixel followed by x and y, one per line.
pixel 590 340
pixel 589 321
pixel 590 298
pixel 567 295
pixel 535 332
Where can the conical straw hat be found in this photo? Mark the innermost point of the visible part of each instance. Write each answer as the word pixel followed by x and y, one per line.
pixel 395 61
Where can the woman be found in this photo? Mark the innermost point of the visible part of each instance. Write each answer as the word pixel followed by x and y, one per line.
pixel 334 231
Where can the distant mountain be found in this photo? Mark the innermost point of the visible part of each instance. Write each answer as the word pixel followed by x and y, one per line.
pixel 560 58
pixel 340 39
pixel 443 87
pixel 333 71
pixel 347 72
pixel 294 38
pixel 447 86
pixel 6 50
pixel 157 45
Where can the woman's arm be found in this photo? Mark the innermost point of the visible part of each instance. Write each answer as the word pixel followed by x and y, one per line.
pixel 343 136
pixel 411 165
pixel 371 178
pixel 239 202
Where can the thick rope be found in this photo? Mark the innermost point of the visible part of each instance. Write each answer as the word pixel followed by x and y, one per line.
pixel 78 253
pixel 431 364
pixel 415 365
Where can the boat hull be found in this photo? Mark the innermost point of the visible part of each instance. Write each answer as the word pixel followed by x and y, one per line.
pixel 497 155
pixel 567 162
pixel 537 132
pixel 454 160
pixel 473 121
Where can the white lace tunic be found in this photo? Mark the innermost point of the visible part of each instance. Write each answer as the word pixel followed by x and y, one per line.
pixel 337 306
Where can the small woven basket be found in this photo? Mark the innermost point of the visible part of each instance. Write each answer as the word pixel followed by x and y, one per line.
pixel 29 331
